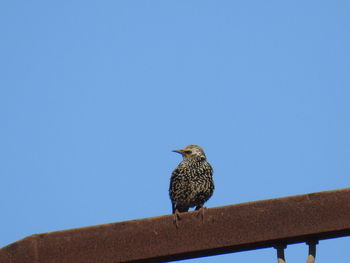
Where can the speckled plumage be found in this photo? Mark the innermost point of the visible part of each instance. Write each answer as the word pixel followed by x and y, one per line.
pixel 191 183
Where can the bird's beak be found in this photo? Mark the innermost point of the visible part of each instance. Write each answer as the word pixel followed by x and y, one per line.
pixel 178 151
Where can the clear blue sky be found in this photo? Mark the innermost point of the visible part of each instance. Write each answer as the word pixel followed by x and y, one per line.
pixel 94 95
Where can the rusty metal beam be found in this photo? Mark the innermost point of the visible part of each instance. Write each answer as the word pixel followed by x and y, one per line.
pixel 225 229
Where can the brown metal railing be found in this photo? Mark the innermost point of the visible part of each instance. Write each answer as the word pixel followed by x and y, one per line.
pixel 261 224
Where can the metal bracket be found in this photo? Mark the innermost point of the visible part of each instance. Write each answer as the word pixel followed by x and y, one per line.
pixel 312 251
pixel 280 253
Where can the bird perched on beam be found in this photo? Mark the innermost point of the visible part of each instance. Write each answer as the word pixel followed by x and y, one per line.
pixel 191 183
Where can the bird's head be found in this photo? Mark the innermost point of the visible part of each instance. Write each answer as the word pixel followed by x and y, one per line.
pixel 192 152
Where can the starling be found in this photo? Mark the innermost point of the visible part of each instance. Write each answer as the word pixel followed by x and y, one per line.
pixel 191 183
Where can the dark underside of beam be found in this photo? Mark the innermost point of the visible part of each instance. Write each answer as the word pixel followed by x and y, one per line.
pixel 224 229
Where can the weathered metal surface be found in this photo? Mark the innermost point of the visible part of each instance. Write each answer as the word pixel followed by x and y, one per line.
pixel 225 229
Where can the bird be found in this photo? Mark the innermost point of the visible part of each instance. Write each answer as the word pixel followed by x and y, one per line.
pixel 191 183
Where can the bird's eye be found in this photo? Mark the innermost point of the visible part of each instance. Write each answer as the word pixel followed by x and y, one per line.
pixel 188 151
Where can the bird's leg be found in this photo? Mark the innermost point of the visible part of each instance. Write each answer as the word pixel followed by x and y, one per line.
pixel 176 217
pixel 200 210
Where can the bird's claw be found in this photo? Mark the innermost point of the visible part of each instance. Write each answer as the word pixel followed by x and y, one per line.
pixel 176 218
pixel 201 212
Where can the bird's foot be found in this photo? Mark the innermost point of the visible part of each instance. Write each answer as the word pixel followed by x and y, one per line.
pixel 200 212
pixel 177 218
